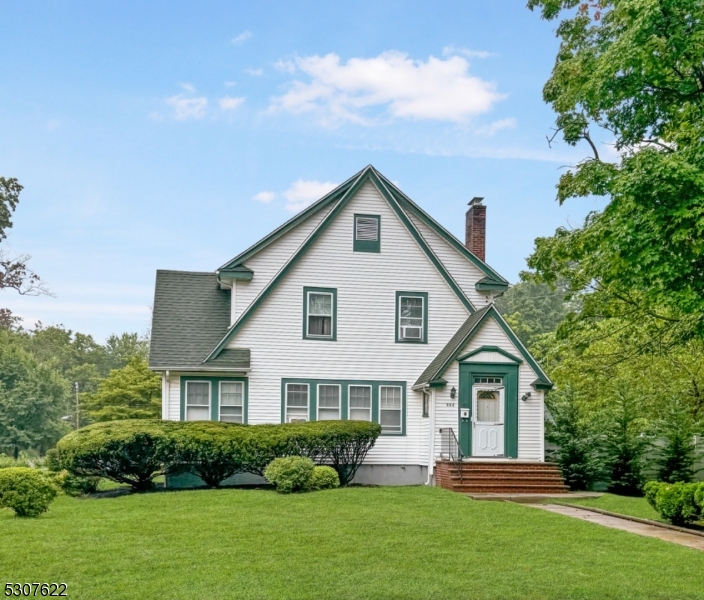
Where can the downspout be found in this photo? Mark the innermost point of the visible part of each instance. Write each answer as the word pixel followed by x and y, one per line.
pixel 166 398
pixel 431 435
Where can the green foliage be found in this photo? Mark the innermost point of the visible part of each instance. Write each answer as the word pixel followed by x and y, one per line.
pixel 23 460
pixel 676 458
pixel 324 478
pixel 699 496
pixel 132 392
pixel 624 443
pixel 533 309
pixel 577 452
pixel 26 491
pixel 632 68
pixel 211 450
pixel 290 474
pixel 9 197
pixel 133 452
pixel 32 399
pixel 74 485
pixel 674 501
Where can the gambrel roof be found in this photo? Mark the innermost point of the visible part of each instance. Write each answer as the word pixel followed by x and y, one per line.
pixel 335 201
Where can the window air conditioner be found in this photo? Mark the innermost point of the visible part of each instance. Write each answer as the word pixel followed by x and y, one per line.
pixel 297 420
pixel 410 333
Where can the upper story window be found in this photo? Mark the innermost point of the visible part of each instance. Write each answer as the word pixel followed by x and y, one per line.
pixel 367 233
pixel 319 313
pixel 412 317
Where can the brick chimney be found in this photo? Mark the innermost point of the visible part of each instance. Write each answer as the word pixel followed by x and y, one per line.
pixel 475 228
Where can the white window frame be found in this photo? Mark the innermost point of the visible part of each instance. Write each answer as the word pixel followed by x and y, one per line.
pixel 339 400
pixel 422 318
pixel 400 411
pixel 309 315
pixel 349 402
pixel 210 400
pixel 286 407
pixel 220 400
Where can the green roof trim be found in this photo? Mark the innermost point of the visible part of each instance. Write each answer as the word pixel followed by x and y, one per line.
pixel 406 202
pixel 438 365
pixel 239 272
pixel 487 284
pixel 491 349
pixel 452 349
pixel 326 200
pixel 381 186
pixel 367 174
pixel 438 383
pixel 191 313
pixel 539 384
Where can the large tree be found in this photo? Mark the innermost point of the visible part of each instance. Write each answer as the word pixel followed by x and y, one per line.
pixel 633 70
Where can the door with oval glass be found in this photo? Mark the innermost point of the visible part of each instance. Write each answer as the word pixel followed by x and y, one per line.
pixel 488 416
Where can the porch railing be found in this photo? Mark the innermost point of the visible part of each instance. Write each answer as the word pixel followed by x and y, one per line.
pixel 450 448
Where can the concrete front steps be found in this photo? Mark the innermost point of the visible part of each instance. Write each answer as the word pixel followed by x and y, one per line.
pixel 500 477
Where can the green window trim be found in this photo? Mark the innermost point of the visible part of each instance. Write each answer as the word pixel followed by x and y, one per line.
pixel 397 322
pixel 344 398
pixel 325 338
pixel 214 395
pixel 366 245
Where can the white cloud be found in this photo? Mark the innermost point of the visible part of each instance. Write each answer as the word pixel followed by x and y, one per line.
pixel 304 193
pixel 437 89
pixel 186 107
pixel 492 128
pixel 285 66
pixel 264 197
pixel 241 38
pixel 455 50
pixel 229 103
pixel 254 72
pixel 229 84
pixel 190 88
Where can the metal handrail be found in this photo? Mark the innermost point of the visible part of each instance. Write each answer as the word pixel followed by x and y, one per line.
pixel 450 447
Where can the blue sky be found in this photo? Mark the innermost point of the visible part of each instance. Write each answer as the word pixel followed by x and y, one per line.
pixel 176 134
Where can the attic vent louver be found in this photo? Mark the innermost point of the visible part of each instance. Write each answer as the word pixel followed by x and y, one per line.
pixel 367 229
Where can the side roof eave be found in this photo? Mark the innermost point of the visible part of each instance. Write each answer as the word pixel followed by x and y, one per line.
pixel 408 204
pixel 453 348
pixel 368 173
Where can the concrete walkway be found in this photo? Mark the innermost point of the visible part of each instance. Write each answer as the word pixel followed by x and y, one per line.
pixel 669 535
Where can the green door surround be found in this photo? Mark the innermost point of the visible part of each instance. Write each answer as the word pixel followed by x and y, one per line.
pixel 468 371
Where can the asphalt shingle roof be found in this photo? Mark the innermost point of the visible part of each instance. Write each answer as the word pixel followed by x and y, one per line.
pixel 191 315
pixel 457 341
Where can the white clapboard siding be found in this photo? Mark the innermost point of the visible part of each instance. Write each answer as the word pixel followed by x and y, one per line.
pixel 530 412
pixel 268 261
pixel 174 403
pixel 463 272
pixel 365 348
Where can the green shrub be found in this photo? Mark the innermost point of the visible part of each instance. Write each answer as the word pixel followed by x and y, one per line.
pixel 675 460
pixel 23 460
pixel 26 491
pixel 75 485
pixel 578 443
pixel 323 478
pixel 699 496
pixel 132 452
pixel 211 450
pixel 674 501
pixel 290 474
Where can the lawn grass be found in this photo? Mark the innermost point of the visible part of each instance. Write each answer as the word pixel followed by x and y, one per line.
pixel 384 543
pixel 624 505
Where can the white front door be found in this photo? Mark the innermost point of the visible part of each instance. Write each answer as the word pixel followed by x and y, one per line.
pixel 487 420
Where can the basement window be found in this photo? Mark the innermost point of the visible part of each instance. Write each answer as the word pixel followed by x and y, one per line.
pixel 367 233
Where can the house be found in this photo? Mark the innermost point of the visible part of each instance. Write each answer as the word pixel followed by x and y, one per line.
pixel 360 307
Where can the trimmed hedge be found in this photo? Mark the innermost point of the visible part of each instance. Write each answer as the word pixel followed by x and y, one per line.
pixel 679 503
pixel 132 452
pixel 323 478
pixel 290 474
pixel 136 451
pixel 25 490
